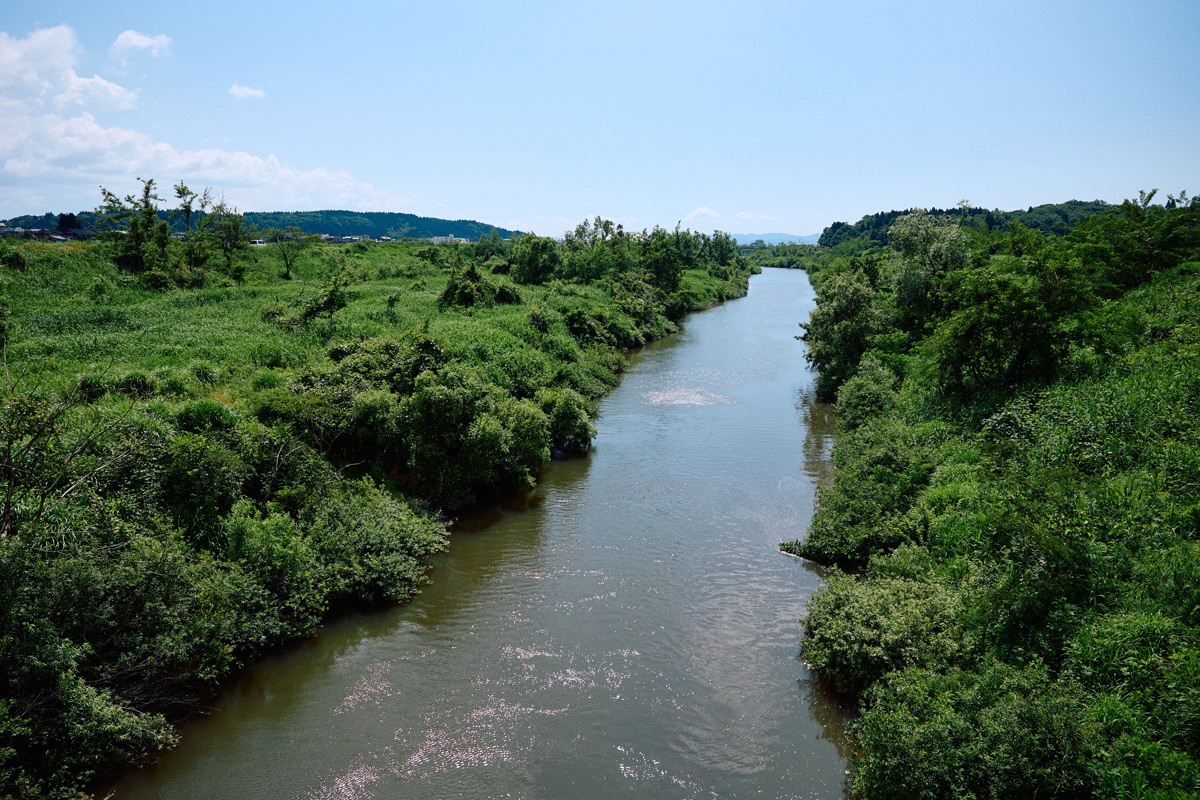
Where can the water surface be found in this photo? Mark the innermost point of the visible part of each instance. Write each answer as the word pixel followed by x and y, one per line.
pixel 633 634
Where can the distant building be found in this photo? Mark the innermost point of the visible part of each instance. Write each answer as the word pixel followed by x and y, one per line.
pixel 448 240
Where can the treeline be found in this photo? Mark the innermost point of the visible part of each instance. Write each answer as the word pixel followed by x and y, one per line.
pixel 1057 218
pixel 375 224
pixel 782 256
pixel 207 449
pixel 1015 506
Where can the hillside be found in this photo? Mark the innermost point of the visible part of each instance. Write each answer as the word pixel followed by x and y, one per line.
pixel 375 224
pixel 1055 218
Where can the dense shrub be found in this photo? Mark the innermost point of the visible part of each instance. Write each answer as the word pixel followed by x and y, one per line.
pixel 1021 503
pixel 994 732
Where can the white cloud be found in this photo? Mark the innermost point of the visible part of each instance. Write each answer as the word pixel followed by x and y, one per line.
pixel 53 145
pixel 46 149
pixel 39 61
pixel 41 68
pixel 130 42
pixel 246 92
pixel 84 91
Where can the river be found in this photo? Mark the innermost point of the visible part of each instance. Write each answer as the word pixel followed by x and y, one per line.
pixel 632 632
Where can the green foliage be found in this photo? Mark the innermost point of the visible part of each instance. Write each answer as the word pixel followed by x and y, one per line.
pixel 464 434
pixel 839 330
pixel 571 428
pixel 534 259
pixel 370 544
pixel 855 633
pixel 468 288
pixel 1013 321
pixel 375 224
pixel 868 394
pixel 1017 467
pixel 188 480
pixel 992 732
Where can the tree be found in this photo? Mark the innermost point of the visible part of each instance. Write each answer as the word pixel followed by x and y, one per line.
pixel 197 241
pixel 67 222
pixel 490 245
pixel 46 457
pixel 535 258
pixel 232 234
pixel 138 236
pixel 840 329
pixel 1013 321
pixel 722 248
pixel 596 249
pixel 930 248
pixel 290 244
pixel 662 257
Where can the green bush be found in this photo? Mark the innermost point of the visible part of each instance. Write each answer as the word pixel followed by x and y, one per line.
pixel 995 732
pixel 370 544
pixel 204 416
pixel 857 632
pixel 136 384
pixel 201 482
pixel 571 428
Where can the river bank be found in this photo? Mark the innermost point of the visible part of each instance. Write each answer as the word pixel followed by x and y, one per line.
pixel 633 631
pixel 201 463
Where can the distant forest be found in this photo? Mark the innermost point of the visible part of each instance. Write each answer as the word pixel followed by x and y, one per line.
pixel 375 224
pixel 1054 219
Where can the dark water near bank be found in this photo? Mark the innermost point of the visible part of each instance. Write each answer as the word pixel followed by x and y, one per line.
pixel 634 634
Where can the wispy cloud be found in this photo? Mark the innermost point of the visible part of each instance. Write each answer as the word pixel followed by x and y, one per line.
pixel 131 42
pixel 246 92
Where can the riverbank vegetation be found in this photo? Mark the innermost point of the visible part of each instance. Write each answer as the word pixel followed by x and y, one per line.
pixel 207 446
pixel 1014 513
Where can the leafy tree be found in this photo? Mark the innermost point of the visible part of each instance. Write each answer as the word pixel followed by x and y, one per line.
pixel 840 329
pixel 139 238
pixel 930 248
pixel 993 732
pixel 232 235
pixel 46 456
pixel 597 249
pixel 662 256
pixel 67 222
pixel 1013 320
pixel 197 232
pixel 491 246
pixel 1129 244
pixel 534 259
pixel 289 245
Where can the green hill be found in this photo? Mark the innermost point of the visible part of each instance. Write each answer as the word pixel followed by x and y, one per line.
pixel 375 224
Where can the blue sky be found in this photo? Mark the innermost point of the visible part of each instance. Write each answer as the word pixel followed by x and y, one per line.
pixel 746 116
